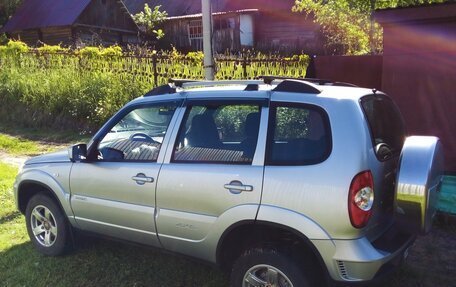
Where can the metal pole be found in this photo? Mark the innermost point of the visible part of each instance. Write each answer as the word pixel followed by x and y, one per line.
pixel 207 39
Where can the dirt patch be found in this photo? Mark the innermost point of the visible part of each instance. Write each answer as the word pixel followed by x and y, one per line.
pixel 431 259
pixel 14 160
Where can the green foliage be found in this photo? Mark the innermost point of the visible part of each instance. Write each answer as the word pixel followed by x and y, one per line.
pixel 14 48
pixel 97 52
pixel 291 123
pixel 51 49
pixel 197 57
pixel 113 51
pixel 82 89
pixel 232 120
pixel 90 52
pixel 149 19
pixel 347 24
pixel 3 39
pixel 7 9
pixel 18 146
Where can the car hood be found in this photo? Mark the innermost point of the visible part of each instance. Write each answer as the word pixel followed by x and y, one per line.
pixel 60 156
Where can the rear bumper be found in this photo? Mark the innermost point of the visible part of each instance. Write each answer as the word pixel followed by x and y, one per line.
pixel 361 261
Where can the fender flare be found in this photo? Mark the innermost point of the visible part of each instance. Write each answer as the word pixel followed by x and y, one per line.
pixel 46 181
pixel 288 220
pixel 293 220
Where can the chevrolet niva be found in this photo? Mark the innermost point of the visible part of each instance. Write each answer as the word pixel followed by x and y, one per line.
pixel 281 182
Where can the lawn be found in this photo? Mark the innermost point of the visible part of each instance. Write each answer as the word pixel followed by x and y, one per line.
pixel 97 262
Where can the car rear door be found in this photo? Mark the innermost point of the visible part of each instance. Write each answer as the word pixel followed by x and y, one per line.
pixel 212 174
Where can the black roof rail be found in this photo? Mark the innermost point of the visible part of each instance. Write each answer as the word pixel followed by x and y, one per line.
pixel 343 84
pixel 269 79
pixel 180 82
pixel 160 90
pixel 252 87
pixel 296 86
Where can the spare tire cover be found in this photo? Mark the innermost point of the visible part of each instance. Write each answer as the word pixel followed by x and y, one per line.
pixel 418 183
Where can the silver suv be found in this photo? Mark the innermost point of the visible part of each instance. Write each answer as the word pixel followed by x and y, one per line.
pixel 281 182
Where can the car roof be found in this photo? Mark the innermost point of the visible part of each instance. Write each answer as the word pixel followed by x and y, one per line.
pixel 260 89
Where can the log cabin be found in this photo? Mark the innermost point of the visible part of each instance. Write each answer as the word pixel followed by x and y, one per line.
pixel 72 23
pixel 266 25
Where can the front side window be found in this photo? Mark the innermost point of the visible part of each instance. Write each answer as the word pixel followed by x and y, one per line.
pixel 138 136
pixel 298 135
pixel 218 133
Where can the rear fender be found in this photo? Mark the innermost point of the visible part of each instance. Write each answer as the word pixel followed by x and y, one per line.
pixel 293 220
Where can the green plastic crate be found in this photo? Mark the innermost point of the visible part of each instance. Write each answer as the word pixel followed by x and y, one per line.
pixel 447 199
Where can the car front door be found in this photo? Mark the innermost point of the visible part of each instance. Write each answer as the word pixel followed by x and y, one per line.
pixel 113 192
pixel 212 176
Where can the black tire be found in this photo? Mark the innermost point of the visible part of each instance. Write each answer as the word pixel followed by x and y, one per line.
pixel 53 239
pixel 290 269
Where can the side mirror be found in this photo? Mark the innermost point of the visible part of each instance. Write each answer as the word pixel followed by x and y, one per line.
pixel 77 152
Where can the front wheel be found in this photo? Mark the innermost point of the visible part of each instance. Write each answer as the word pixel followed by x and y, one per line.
pixel 267 267
pixel 47 226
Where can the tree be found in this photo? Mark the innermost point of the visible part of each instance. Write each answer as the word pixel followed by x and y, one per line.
pixel 347 24
pixel 149 19
pixel 7 9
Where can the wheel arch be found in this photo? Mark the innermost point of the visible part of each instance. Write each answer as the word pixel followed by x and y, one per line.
pixel 249 234
pixel 29 188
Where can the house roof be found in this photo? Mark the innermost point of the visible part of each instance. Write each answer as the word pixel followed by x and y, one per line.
pixel 45 13
pixel 191 7
pixel 199 15
pixel 425 12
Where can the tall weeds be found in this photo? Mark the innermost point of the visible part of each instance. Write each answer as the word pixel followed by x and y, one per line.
pixel 80 90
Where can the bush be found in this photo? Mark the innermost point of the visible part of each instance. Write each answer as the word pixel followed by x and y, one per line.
pixel 90 52
pixel 51 49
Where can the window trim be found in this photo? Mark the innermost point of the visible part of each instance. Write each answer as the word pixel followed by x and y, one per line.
pixel 195 25
pixel 271 130
pixel 189 103
pixel 106 128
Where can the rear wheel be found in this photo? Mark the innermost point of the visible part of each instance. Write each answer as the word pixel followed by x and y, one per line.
pixel 267 268
pixel 47 226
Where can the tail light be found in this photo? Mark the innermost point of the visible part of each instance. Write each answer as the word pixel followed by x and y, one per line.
pixel 361 199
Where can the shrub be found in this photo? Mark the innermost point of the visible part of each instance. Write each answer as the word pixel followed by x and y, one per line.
pixel 113 51
pixel 16 47
pixel 51 49
pixel 90 52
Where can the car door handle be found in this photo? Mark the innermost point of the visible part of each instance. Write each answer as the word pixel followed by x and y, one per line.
pixel 237 187
pixel 141 179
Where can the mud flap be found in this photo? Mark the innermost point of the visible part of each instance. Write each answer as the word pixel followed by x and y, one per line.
pixel 418 183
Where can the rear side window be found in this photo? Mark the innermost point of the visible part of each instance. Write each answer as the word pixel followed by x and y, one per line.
pixel 298 135
pixel 386 125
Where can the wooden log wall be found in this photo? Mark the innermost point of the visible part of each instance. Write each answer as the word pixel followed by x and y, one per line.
pixel 57 35
pixel 30 37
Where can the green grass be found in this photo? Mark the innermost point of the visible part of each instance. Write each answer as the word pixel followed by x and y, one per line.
pixel 16 146
pixel 30 141
pixel 95 262
pixel 44 136
pixel 80 92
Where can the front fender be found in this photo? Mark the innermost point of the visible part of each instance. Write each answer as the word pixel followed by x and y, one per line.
pixel 56 181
